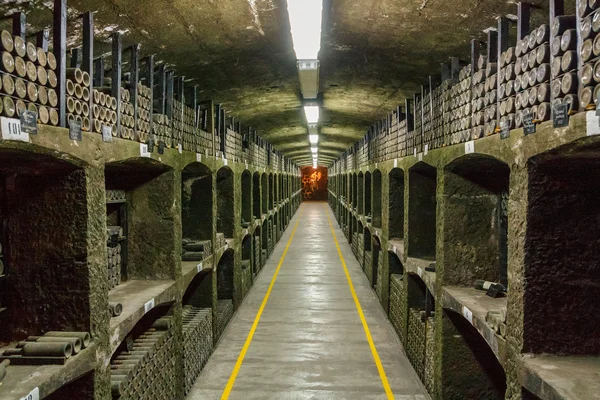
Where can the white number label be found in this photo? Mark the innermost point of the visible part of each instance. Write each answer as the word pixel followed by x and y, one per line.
pixel 470 147
pixel 11 130
pixel 180 148
pixel 33 395
pixel 467 314
pixel 199 267
pixel 420 157
pixel 106 133
pixel 395 163
pixel 593 123
pixel 225 161
pixel 144 150
pixel 426 149
pixel 415 151
pixel 419 271
pixel 395 249
pixel 198 157
pixel 148 306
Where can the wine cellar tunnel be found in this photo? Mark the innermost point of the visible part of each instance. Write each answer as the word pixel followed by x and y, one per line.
pixel 299 199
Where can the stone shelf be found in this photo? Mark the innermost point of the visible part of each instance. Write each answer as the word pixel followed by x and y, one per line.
pixel 560 377
pixel 190 269
pixel 21 380
pixel 417 266
pixel 396 246
pixel 474 305
pixel 135 296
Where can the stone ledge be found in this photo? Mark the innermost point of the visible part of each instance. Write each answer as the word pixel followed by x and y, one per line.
pixel 22 379
pixel 474 305
pixel 560 377
pixel 134 295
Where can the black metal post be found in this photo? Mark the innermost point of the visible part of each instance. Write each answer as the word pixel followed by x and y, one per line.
pixel 88 58
pixel 117 64
pixel 134 77
pixel 76 57
pixel 19 24
pixel 60 51
pixel 503 26
pixel 161 93
pixel 523 20
pixel 42 38
pixel 170 76
pixel 149 60
pixel 99 72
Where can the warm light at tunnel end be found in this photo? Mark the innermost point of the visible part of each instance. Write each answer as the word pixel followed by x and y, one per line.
pixel 305 26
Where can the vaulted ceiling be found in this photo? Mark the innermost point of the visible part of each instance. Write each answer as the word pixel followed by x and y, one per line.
pixel 239 52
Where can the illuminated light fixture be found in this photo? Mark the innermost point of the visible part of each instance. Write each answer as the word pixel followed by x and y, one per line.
pixel 305 26
pixel 312 114
pixel 314 150
pixel 308 74
pixel 314 139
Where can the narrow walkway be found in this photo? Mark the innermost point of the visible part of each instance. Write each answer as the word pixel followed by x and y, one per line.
pixel 309 342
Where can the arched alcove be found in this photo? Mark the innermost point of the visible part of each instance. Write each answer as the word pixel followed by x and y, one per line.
pixel 264 189
pixel 271 191
pixel 367 196
pixel 247 264
pixel 256 195
pixel 360 194
pixel 476 189
pixel 225 291
pixel 225 202
pixel 422 186
pixel 246 196
pixel 197 202
pixel 469 367
pixel 396 204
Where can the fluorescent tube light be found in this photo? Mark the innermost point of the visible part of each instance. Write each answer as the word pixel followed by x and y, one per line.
pixel 314 139
pixel 305 26
pixel 312 114
pixel 314 150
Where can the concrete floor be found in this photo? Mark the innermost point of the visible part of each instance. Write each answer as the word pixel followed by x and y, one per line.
pixel 310 342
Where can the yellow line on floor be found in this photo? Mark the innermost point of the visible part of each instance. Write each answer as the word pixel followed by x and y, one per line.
pixel 240 359
pixel 382 375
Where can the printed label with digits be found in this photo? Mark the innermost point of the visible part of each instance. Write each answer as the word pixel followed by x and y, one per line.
pixel 33 395
pixel 144 150
pixel 419 271
pixel 148 306
pixel 11 130
pixel 470 147
pixel 467 314
pixel 75 130
pixel 560 115
pixel 529 127
pixel 29 122
pixel 199 267
pixel 198 157
pixel 106 133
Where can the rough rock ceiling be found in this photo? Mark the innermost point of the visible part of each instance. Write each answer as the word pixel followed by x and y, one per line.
pixel 239 52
